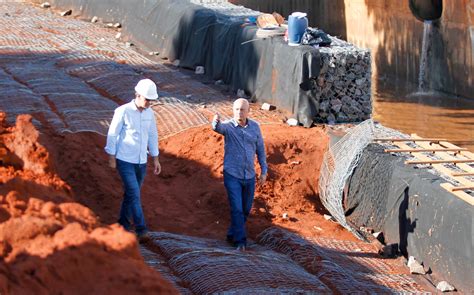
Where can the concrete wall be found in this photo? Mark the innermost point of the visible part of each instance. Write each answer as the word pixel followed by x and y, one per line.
pixel 395 36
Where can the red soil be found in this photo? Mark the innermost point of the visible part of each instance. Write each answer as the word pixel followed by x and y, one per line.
pixel 56 187
pixel 189 196
pixel 193 180
pixel 48 242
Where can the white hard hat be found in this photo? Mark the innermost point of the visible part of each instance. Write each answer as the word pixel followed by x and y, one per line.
pixel 147 88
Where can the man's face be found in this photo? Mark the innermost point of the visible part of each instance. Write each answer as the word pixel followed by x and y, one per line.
pixel 241 110
pixel 141 101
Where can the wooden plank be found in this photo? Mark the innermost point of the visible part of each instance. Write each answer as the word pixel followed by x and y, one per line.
pixel 462 188
pixel 439 167
pixel 449 161
pixel 447 144
pixel 410 139
pixel 466 154
pixel 463 174
pixel 413 150
pixel 460 194
pixel 423 157
pixel 447 171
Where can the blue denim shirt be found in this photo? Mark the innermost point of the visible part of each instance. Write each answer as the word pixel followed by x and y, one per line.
pixel 240 146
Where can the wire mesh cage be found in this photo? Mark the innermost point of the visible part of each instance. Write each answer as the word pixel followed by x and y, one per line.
pixel 339 163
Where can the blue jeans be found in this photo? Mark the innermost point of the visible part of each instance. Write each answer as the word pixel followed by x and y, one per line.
pixel 240 193
pixel 132 177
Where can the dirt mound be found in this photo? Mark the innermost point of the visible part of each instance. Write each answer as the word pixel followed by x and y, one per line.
pixel 192 172
pixel 50 244
pixel 189 196
pixel 51 235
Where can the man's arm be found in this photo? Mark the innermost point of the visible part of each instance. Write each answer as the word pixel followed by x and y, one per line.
pixel 153 146
pixel 112 162
pixel 217 125
pixel 262 158
pixel 114 132
pixel 153 138
pixel 156 166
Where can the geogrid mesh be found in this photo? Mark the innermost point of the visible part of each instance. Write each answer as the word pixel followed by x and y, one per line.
pixel 17 99
pixel 73 74
pixel 158 263
pixel 212 267
pixel 363 261
pixel 175 115
pixel 80 107
pixel 341 280
pixel 314 261
pixel 340 161
pixel 104 77
pixel 225 10
pixel 346 267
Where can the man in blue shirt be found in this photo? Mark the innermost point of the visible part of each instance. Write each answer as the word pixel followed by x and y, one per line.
pixel 243 139
pixel 131 133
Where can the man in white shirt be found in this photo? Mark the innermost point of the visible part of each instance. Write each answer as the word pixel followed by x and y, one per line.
pixel 132 133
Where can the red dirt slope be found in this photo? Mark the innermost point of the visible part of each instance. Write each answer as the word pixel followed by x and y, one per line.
pixel 50 244
pixel 294 156
pixel 189 196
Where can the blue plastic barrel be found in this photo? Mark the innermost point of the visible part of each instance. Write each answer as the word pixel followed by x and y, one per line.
pixel 297 24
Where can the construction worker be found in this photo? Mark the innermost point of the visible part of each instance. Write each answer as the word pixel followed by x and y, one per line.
pixel 243 139
pixel 133 130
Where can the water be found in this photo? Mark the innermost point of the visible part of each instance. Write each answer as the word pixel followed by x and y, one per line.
pixel 423 75
pixel 428 114
pixel 411 109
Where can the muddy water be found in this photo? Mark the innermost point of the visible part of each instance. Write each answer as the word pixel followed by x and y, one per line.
pixel 399 106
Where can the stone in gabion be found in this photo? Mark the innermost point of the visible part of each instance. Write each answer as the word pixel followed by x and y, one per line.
pixel 344 82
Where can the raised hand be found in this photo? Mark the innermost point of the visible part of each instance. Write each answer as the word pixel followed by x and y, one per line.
pixel 217 117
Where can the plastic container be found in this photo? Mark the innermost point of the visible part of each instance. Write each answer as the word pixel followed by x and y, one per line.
pixel 297 24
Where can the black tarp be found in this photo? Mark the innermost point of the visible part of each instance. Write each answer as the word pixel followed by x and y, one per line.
pixel 267 69
pixel 411 208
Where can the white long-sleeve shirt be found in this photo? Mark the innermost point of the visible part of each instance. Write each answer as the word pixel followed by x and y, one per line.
pixel 131 132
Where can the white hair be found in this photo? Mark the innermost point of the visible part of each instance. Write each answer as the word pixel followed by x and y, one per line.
pixel 243 100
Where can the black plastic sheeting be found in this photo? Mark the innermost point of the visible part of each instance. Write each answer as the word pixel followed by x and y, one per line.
pixel 411 209
pixel 267 69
